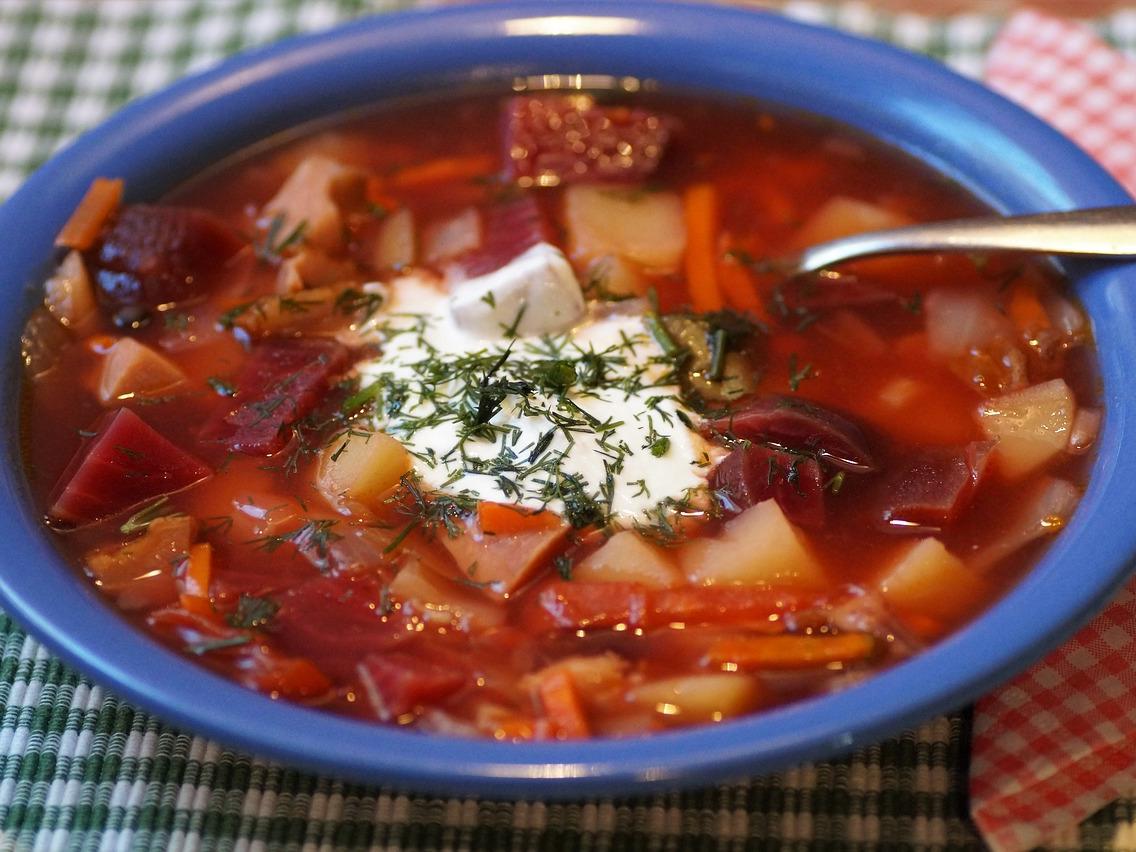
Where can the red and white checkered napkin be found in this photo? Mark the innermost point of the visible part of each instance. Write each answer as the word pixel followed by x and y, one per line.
pixel 1059 742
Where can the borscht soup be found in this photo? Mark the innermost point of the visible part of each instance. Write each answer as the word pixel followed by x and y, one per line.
pixel 493 416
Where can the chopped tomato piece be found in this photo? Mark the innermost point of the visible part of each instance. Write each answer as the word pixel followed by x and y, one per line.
pixel 751 474
pixel 556 138
pixel 282 381
pixel 153 254
pixel 125 463
pixel 397 682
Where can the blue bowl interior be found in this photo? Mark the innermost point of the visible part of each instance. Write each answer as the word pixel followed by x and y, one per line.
pixel 1001 154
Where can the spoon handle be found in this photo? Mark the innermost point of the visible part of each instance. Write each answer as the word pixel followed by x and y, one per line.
pixel 1104 231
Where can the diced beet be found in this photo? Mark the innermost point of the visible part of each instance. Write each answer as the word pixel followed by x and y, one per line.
pixel 125 463
pixel 152 254
pixel 335 621
pixel 396 683
pixel 557 138
pixel 932 488
pixel 509 228
pixel 751 474
pixel 281 382
pixel 827 291
pixel 801 426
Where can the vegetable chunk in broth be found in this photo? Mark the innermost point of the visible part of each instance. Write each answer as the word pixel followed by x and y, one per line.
pixel 488 417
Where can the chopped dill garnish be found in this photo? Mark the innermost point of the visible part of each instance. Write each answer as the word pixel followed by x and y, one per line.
pixel 145 516
pixel 276 242
pixel 222 387
pixel 253 611
pixel 798 374
pixel 563 566
pixel 204 647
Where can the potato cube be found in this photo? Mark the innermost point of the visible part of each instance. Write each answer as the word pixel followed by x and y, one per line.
pixel 361 468
pixel 628 558
pixel 69 296
pixel 132 369
pixel 1031 425
pixel 842 216
pixel 758 547
pixel 440 601
pixel 930 588
pixel 646 228
pixel 698 698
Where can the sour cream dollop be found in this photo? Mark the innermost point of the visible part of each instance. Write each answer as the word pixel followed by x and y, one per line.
pixel 585 421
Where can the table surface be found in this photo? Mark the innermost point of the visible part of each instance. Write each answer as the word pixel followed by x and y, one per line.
pixel 80 769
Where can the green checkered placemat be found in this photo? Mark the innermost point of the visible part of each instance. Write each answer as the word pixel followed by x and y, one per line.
pixel 80 769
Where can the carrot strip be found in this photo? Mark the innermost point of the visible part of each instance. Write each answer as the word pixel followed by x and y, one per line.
pixel 377 196
pixel 503 519
pixel 700 209
pixel 445 168
pixel 100 202
pixel 562 705
pixel 739 287
pixel 198 571
pixel 1026 310
pixel 788 651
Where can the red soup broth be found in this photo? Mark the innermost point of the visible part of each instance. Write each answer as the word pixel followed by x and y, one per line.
pixel 878 453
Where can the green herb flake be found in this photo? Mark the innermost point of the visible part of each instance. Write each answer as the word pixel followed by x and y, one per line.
pixel 145 516
pixel 200 648
pixel 563 566
pixel 222 387
pixel 253 611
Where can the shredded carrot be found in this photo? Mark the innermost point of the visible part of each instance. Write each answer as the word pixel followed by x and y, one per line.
pixel 1026 310
pixel 700 209
pixel 739 287
pixel 198 571
pixel 292 677
pixel 376 194
pixel 787 651
pixel 562 705
pixel 100 203
pixel 445 169
pixel 502 519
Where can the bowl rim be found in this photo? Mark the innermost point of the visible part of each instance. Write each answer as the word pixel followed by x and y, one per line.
pixel 181 128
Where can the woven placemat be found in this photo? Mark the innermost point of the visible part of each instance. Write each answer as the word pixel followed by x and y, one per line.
pixel 81 769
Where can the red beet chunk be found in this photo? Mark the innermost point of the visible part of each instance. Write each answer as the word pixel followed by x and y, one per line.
pixel 282 381
pixel 154 254
pixel 397 683
pixel 933 487
pixel 827 290
pixel 801 426
pixel 749 475
pixel 509 229
pixel 335 621
pixel 125 463
pixel 552 139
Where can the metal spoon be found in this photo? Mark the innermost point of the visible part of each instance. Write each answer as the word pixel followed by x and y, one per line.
pixel 1102 231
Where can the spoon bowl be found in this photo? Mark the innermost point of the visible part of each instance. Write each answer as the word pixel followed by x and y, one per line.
pixel 1100 232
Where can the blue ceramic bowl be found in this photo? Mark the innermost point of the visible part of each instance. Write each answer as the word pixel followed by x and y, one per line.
pixel 1009 159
